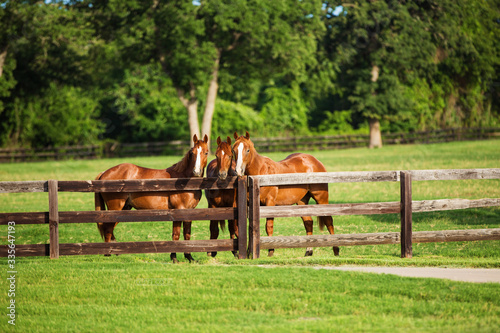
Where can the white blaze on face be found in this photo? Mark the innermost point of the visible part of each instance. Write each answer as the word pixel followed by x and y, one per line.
pixel 197 166
pixel 239 163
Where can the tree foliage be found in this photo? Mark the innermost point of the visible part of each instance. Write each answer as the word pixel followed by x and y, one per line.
pixel 80 71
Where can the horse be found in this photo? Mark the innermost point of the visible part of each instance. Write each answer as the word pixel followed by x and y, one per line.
pixel 249 162
pixel 222 166
pixel 192 165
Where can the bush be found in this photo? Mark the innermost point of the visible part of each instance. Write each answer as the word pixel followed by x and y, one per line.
pixel 230 117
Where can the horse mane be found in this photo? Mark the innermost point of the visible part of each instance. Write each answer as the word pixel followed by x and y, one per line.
pixel 182 165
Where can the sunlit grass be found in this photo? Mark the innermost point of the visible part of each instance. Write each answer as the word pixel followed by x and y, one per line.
pixel 481 154
pixel 284 293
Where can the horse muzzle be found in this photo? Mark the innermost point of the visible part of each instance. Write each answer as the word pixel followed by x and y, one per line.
pixel 222 175
pixel 240 172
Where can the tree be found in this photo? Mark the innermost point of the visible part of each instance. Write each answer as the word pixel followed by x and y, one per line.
pixel 47 50
pixel 379 45
pixel 201 44
pixel 415 64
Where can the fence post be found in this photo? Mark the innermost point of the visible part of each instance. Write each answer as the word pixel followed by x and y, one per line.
pixel 53 219
pixel 254 218
pixel 242 217
pixel 406 215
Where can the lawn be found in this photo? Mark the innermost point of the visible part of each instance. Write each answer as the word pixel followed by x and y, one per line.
pixel 284 293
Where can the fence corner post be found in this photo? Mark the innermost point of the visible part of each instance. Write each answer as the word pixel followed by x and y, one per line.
pixel 406 214
pixel 53 219
pixel 254 218
pixel 242 217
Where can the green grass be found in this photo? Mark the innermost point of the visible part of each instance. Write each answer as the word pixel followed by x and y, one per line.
pixel 148 293
pixel 135 293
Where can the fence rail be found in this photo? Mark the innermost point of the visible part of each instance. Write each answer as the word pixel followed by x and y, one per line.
pixel 253 210
pixel 321 142
pixel 405 208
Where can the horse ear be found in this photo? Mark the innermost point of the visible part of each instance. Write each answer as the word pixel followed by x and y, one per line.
pixel 195 138
pixel 235 135
pixel 248 135
pixel 205 138
pixel 218 141
pixel 228 140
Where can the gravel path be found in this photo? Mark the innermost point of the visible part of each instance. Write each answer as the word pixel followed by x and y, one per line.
pixel 480 275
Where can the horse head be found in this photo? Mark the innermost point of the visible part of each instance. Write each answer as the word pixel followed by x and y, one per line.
pixel 224 155
pixel 198 155
pixel 243 150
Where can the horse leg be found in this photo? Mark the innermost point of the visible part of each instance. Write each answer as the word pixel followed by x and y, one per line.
pixel 269 231
pixel 107 229
pixel 320 195
pixel 176 233
pixel 187 236
pixel 233 232
pixel 214 234
pixel 308 223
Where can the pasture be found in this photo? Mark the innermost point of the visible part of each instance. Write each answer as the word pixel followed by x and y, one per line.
pixel 147 292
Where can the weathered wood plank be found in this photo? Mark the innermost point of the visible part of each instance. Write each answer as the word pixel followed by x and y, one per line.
pixel 151 215
pixel 328 177
pixel 24 186
pixel 455 174
pixel 141 185
pixel 266 243
pixel 277 242
pixel 266 180
pixel 452 204
pixel 406 215
pixel 53 220
pixel 27 250
pixel 199 214
pixel 374 208
pixel 331 210
pixel 242 217
pixel 230 213
pixel 126 247
pixel 149 247
pixel 456 235
pixel 254 218
pixel 25 218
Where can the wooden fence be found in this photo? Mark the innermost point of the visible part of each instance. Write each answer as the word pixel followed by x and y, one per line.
pixel 54 217
pixel 322 142
pixel 405 207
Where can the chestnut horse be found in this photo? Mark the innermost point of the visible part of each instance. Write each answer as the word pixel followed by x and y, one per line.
pixel 191 165
pixel 249 162
pixel 222 167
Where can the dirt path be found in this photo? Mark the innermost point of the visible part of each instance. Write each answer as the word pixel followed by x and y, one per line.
pixel 480 275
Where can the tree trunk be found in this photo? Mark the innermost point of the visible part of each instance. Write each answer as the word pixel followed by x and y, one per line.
pixel 3 56
pixel 375 135
pixel 191 105
pixel 206 126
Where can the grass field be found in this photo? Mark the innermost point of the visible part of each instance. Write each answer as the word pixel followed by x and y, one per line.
pixel 283 293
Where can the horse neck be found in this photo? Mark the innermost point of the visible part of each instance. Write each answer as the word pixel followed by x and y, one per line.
pixel 255 163
pixel 183 168
pixel 232 169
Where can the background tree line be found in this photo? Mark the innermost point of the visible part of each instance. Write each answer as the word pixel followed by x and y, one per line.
pixel 78 72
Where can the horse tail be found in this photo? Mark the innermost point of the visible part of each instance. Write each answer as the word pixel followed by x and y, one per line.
pixel 222 225
pixel 321 222
pixel 99 205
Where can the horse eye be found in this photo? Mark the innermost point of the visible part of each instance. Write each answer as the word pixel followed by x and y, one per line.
pixel 248 150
